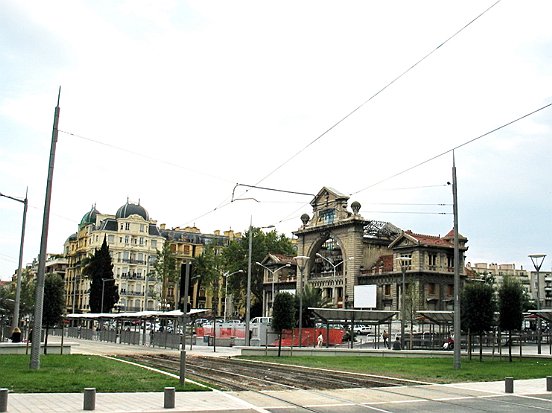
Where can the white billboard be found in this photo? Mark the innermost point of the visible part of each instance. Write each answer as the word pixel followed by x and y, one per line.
pixel 365 296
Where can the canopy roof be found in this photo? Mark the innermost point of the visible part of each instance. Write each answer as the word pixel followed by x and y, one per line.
pixel 545 314
pixel 438 317
pixel 139 314
pixel 340 315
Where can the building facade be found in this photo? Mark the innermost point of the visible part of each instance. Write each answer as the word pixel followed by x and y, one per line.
pixel 133 239
pixel 345 250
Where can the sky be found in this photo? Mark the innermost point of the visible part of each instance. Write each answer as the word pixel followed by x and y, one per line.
pixel 173 103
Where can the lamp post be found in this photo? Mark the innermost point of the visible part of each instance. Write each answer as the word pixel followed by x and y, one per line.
pixel 15 321
pixel 273 273
pixel 301 261
pixel 537 260
pixel 405 263
pixel 104 280
pixel 226 275
pixel 334 266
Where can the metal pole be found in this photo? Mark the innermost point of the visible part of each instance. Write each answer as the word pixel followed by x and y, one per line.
pixel 15 321
pixel 225 295
pixel 39 298
pixel 301 306
pixel 538 318
pixel 103 287
pixel 248 300
pixel 403 306
pixel 457 329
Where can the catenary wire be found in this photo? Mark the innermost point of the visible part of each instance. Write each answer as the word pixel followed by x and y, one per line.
pixel 376 94
pixel 452 149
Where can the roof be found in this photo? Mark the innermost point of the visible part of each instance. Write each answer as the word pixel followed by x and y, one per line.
pixel 129 209
pixel 438 317
pixel 139 314
pixel 339 315
pixel 544 313
pixel 272 258
pixel 425 240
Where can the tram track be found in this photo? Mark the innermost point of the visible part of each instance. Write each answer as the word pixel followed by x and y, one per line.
pixel 243 375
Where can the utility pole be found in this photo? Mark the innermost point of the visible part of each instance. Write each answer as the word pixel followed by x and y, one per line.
pixel 457 329
pixel 39 300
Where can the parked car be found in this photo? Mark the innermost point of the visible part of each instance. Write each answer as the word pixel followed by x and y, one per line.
pixel 362 329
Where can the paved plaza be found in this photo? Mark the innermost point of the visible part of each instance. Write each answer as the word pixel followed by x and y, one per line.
pixel 528 396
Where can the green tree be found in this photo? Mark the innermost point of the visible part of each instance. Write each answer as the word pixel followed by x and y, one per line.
pixel 54 303
pixel 26 297
pixel 311 297
pixel 283 315
pixel 510 303
pixel 99 269
pixel 236 256
pixel 207 271
pixel 478 308
pixel 167 272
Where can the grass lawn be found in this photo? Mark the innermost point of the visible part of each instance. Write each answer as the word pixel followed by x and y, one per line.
pixel 73 373
pixel 434 370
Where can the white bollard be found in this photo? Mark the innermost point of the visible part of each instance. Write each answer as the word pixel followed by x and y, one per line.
pixel 3 400
pixel 89 399
pixel 509 385
pixel 169 398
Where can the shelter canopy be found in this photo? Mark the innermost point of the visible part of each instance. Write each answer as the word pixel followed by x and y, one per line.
pixel 438 317
pixel 138 315
pixel 339 315
pixel 545 314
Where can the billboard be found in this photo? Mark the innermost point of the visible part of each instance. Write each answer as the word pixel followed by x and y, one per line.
pixel 365 296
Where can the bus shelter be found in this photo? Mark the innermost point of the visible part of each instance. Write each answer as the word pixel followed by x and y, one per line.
pixel 440 324
pixel 348 318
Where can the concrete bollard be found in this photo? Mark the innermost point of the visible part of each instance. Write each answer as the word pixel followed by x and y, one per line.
pixel 548 383
pixel 89 399
pixel 169 398
pixel 3 400
pixel 509 385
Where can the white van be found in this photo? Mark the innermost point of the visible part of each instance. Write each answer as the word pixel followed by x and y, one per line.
pixel 259 320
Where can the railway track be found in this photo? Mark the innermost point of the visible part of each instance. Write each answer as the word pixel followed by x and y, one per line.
pixel 243 375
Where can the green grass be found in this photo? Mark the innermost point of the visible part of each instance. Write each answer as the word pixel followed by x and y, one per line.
pixel 73 373
pixel 434 370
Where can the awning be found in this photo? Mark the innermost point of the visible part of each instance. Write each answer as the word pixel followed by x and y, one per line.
pixel 340 315
pixel 139 314
pixel 545 314
pixel 438 317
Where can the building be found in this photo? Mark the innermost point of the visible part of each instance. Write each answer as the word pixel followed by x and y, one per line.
pixel 345 250
pixel 133 239
pixel 187 244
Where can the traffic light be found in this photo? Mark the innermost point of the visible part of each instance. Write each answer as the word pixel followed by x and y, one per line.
pixel 185 295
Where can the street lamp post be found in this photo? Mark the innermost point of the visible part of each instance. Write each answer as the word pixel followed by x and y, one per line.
pixel 226 275
pixel 273 273
pixel 25 202
pixel 104 280
pixel 537 260
pixel 334 266
pixel 301 263
pixel 405 263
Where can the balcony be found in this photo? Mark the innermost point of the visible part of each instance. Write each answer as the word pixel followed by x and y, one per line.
pixel 131 276
pixel 131 261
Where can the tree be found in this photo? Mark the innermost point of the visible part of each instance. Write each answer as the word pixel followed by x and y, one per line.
pixel 236 256
pixel 167 272
pixel 54 303
pixel 478 308
pixel 510 303
pixel 283 315
pixel 311 297
pixel 102 285
pixel 207 272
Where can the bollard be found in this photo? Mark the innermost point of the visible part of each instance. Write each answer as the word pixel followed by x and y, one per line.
pixel 3 400
pixel 548 383
pixel 169 398
pixel 182 366
pixel 89 399
pixel 509 385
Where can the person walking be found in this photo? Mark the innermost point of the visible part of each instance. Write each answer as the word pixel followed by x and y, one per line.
pixel 385 336
pixel 320 340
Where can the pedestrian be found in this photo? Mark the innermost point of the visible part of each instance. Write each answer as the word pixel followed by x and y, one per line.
pixel 385 336
pixel 397 344
pixel 320 340
pixel 16 335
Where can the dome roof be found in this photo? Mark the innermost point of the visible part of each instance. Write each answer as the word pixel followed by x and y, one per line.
pixel 89 217
pixel 129 209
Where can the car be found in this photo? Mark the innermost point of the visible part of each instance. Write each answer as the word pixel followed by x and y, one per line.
pixel 362 329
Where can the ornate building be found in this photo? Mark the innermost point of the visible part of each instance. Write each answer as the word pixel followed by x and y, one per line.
pixel 345 250
pixel 133 239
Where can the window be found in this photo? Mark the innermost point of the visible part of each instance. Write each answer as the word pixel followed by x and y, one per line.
pixel 387 289
pixel 127 226
pixel 431 289
pixel 187 249
pixel 432 261
pixel 154 243
pixel 141 240
pixel 110 239
pixel 126 239
pixel 141 227
pixel 327 216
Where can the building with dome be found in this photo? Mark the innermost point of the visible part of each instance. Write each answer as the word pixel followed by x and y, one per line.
pixel 133 239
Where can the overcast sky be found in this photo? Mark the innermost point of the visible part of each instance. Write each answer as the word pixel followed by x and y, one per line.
pixel 174 102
